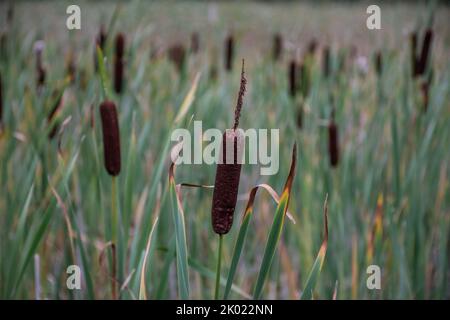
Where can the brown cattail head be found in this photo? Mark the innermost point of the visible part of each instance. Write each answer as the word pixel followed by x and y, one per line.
pixel 426 50
pixel 100 41
pixel 292 73
pixel 326 61
pixel 119 63
pixel 177 55
pixel 333 142
pixel 312 46
pixel 195 42
pixel 10 13
pixel 40 69
pixel 378 63
pixel 228 172
pixel 111 137
pixel 277 46
pixel 71 67
pixel 229 52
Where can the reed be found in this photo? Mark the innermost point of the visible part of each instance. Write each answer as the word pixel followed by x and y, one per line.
pixel 326 61
pixel 1 102
pixel 292 76
pixel 195 42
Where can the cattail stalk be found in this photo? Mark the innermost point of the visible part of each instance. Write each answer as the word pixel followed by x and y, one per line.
pixel 229 52
pixel 277 46
pixel 333 142
pixel 58 98
pixel 119 63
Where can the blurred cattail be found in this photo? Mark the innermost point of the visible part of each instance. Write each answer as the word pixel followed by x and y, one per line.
pixel 229 52
pixel 292 74
pixel 378 63
pixel 312 46
pixel 111 137
pixel 40 69
pixel 119 63
pixel 10 14
pixel 177 55
pixel 326 61
pixel 195 42
pixel 420 62
pixel 425 54
pixel 71 67
pixel 100 41
pixel 304 77
pixel 228 171
pixel 277 46
pixel 58 98
pixel 333 142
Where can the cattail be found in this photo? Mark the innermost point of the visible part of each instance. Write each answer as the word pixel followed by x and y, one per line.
pixel 100 41
pixel 119 63
pixel 378 63
pixel 333 142
pixel 277 46
pixel 71 67
pixel 111 137
pixel 40 69
pixel 195 42
pixel 292 73
pixel 10 14
pixel 413 40
pixel 426 48
pixel 326 62
pixel 312 47
pixel 177 55
pixel 228 171
pixel 304 77
pixel 229 52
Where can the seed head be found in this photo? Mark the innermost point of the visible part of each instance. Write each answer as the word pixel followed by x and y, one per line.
pixel 111 137
pixel 229 52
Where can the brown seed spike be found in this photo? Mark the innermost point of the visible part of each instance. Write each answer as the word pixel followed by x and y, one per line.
pixel 111 137
pixel 292 73
pixel 426 48
pixel 333 143
pixel 229 52
pixel 119 63
pixel 277 46
pixel 228 172
pixel 177 55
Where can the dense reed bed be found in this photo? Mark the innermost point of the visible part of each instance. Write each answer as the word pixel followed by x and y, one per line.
pixel 363 173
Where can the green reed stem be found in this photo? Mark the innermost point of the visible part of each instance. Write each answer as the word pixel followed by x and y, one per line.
pixel 219 262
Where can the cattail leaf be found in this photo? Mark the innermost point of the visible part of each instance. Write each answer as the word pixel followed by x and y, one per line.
pixel 318 263
pixel 180 236
pixel 142 287
pixel 275 231
pixel 243 232
pixel 187 100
